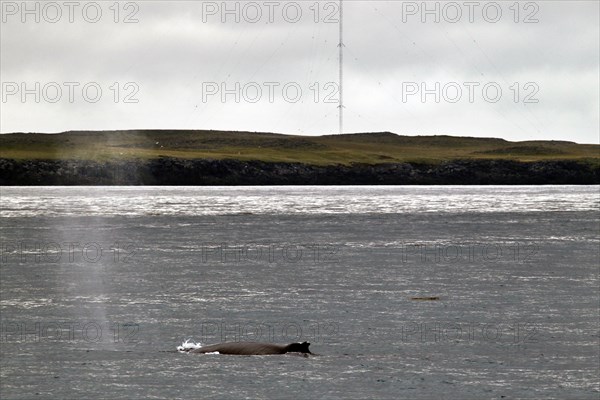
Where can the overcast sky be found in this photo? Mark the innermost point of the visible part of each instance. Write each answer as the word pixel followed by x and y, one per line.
pixel 489 69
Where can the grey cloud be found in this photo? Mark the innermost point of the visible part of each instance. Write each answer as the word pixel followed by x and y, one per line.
pixel 170 53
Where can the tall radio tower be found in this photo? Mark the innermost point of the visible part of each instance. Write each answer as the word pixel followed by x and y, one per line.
pixel 341 72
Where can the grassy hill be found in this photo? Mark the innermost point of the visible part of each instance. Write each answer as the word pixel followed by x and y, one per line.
pixel 370 148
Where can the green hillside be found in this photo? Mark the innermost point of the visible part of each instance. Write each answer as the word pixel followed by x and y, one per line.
pixel 370 148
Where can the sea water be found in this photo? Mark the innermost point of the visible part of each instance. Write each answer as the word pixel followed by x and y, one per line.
pixel 100 285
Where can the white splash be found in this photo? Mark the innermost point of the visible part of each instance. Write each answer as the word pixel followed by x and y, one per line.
pixel 187 345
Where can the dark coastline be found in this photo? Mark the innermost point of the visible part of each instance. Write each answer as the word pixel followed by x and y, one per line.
pixel 175 171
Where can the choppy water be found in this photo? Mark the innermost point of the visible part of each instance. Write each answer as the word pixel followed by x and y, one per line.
pixel 194 200
pixel 100 285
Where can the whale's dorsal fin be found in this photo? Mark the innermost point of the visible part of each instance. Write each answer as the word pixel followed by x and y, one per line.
pixel 299 347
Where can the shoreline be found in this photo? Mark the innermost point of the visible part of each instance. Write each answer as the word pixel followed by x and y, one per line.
pixel 169 171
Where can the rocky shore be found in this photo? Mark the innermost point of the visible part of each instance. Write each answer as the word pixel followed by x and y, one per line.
pixel 174 171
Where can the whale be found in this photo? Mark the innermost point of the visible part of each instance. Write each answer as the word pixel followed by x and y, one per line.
pixel 253 348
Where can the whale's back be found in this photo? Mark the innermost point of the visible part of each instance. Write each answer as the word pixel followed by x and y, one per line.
pixel 252 348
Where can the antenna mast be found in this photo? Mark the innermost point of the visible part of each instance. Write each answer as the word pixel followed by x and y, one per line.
pixel 341 71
